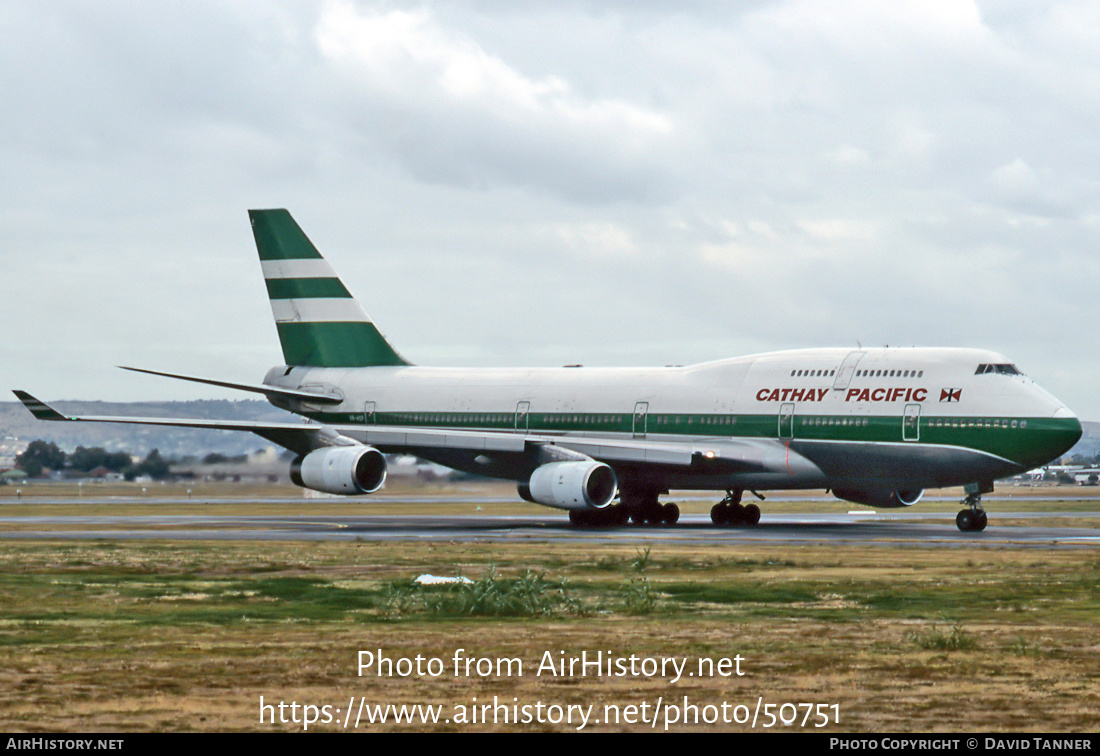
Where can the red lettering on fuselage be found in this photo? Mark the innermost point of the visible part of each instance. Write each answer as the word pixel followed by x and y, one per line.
pixel 887 395
pixel 897 394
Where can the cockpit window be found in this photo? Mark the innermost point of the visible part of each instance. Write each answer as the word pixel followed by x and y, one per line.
pixel 1001 369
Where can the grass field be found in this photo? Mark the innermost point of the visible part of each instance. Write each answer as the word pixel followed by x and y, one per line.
pixel 118 636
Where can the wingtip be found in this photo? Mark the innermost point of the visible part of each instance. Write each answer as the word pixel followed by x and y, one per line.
pixel 37 407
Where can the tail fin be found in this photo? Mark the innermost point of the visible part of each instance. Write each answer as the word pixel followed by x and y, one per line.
pixel 320 324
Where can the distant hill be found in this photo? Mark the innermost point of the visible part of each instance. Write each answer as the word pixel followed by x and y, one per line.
pixel 18 426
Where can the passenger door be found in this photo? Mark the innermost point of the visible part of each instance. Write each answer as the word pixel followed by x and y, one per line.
pixel 910 423
pixel 786 420
pixel 641 414
pixel 523 412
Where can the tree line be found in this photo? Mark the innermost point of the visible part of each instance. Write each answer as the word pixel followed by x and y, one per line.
pixel 42 456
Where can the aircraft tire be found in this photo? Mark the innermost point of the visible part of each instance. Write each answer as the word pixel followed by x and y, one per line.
pixel 964 520
pixel 720 514
pixel 750 514
pixel 737 514
pixel 983 520
pixel 670 513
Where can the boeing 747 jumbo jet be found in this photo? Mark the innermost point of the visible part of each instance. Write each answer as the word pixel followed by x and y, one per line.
pixel 874 426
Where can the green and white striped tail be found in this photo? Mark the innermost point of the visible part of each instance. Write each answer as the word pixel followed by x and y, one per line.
pixel 320 324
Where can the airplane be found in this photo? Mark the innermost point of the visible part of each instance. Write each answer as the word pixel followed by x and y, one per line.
pixel 875 426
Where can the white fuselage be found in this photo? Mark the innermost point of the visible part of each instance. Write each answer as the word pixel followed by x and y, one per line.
pixel 836 411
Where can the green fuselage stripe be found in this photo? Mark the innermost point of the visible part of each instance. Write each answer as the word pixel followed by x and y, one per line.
pixel 1025 441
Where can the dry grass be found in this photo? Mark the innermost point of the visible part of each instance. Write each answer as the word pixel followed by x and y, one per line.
pixel 187 636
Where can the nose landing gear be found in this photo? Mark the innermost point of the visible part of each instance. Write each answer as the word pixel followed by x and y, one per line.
pixel 974 519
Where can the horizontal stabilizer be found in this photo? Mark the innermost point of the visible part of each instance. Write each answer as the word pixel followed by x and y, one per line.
pixel 268 391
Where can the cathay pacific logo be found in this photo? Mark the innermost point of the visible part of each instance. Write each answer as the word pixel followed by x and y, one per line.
pixel 950 394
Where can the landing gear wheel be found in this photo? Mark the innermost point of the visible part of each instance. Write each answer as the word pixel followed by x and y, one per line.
pixel 974 519
pixel 642 505
pixel 720 514
pixel 751 515
pixel 729 511
pixel 670 513
pixel 597 518
pixel 737 514
pixel 964 520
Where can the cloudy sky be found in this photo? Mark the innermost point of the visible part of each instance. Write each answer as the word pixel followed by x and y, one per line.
pixel 542 183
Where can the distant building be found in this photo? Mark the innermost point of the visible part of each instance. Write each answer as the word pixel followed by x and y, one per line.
pixel 1087 477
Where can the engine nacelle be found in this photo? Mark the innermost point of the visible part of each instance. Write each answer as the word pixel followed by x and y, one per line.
pixel 348 470
pixel 882 499
pixel 571 485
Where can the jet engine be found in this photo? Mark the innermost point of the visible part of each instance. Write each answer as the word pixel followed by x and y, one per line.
pixel 882 499
pixel 348 470
pixel 571 485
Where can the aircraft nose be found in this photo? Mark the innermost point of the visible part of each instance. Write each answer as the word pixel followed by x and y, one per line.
pixel 1069 429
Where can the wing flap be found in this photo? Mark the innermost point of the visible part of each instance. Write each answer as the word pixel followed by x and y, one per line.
pixel 389 436
pixel 679 454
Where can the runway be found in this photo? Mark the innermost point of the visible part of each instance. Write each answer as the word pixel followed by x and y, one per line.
pixel 900 529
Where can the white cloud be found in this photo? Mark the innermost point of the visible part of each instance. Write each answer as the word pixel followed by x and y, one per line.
pixel 738 177
pixel 465 116
pixel 603 239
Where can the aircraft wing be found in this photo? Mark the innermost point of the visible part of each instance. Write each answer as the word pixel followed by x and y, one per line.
pixel 731 455
pixel 745 455
pixel 301 438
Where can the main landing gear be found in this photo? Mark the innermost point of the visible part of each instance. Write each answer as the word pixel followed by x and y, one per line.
pixel 974 519
pixel 730 511
pixel 639 507
pixel 596 518
pixel 646 509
